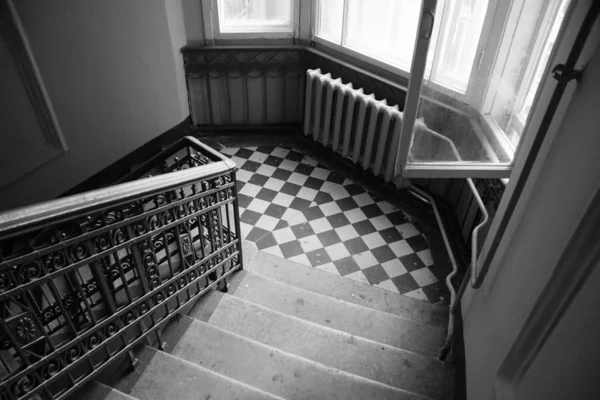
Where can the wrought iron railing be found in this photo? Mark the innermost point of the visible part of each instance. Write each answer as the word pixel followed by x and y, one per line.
pixel 85 278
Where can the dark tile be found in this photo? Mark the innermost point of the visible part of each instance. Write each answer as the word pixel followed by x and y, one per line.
pixel 346 266
pixel 323 198
pixel 417 243
pixel 258 179
pixel 329 238
pixel 356 246
pixel 299 204
pixel 318 257
pixel 302 230
pixel 375 274
pixel 436 292
pixel 354 189
pixel 405 283
pixel 273 161
pixel 338 220
pixel 290 188
pixel 281 224
pixel 412 262
pixel 364 227
pixel 244 200
pixel 347 204
pixel 266 241
pixel 372 210
pixel 251 166
pixel 239 185
pixel 294 156
pixel 312 213
pixel 256 233
pixel 275 210
pixel 314 183
pixel 390 235
pixel 243 153
pixel 304 169
pixel 336 178
pixel 397 217
pixel 266 149
pixel 281 174
pixel 291 249
pixel 266 194
pixel 383 253
pixel 250 217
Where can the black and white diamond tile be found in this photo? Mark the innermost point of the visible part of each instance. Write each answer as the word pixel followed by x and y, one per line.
pixel 294 207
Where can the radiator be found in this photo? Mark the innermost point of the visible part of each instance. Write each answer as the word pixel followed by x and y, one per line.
pixel 354 124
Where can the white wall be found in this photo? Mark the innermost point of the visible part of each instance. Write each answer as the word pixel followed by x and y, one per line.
pixel 494 314
pixel 111 73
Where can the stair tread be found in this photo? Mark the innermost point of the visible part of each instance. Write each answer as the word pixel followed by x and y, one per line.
pixel 170 377
pixel 98 391
pixel 344 316
pixel 273 370
pixel 395 367
pixel 323 282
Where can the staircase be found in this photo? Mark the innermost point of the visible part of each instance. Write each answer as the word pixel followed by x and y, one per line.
pixel 287 331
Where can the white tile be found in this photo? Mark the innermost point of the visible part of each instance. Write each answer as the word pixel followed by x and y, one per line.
pixel 284 235
pixel 387 207
pixel 258 157
pixel 347 232
pixel 330 208
pixel 425 256
pixel 246 228
pixel 301 259
pixel 307 193
pixel 283 199
pixel 355 215
pixel 373 240
pixel 258 205
pixel 289 214
pixel 267 222
pixel 347 182
pixel 250 189
pixel 299 218
pixel 329 187
pixel 288 165
pixel 229 150
pixel 310 243
pixel 279 152
pixel 329 267
pixel 274 184
pixel 243 175
pixel 358 276
pixel 401 248
pixel 266 170
pixel 320 225
pixel 365 260
pixel 407 230
pixel 337 251
pixel 394 268
pixel 320 173
pixel 388 285
pixel 274 250
pixel 340 193
pixel 253 148
pixel 309 161
pixel 381 222
pixel 424 276
pixel 418 294
pixel 238 161
pixel 298 179
pixel 363 199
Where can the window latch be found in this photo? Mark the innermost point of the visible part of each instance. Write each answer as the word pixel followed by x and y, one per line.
pixel 558 73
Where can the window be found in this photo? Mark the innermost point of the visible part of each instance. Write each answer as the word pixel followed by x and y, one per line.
pixel 243 16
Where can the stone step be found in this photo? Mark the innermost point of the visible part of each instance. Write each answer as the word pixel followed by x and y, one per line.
pixel 402 369
pixel 163 376
pixel 275 371
pixel 341 315
pixel 315 280
pixel 98 391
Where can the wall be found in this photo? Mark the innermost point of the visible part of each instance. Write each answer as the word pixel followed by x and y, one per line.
pixel 110 72
pixel 545 219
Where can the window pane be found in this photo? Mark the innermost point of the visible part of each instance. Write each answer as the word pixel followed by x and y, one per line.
pixel 331 14
pixel 384 29
pixel 255 15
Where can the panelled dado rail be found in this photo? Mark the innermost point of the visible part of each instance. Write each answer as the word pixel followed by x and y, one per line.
pixel 85 278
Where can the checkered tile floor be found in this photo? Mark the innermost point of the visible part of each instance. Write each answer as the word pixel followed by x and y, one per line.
pixel 294 207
